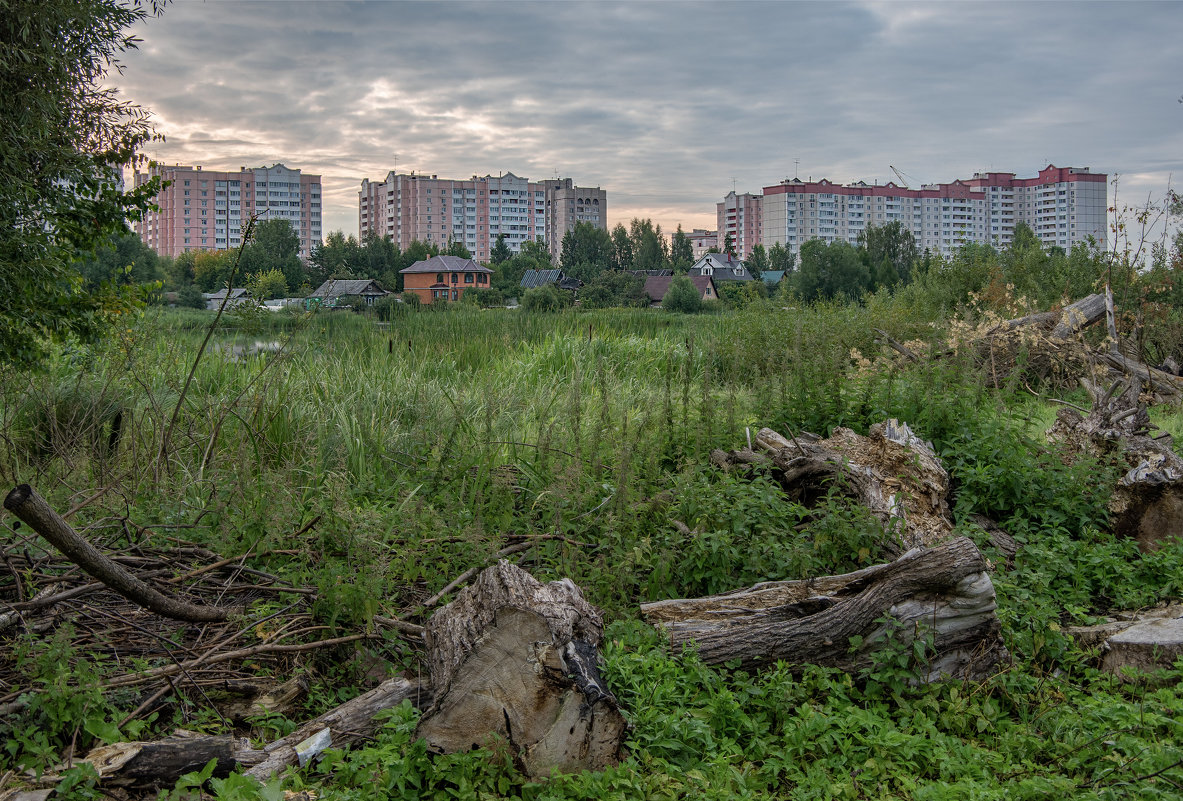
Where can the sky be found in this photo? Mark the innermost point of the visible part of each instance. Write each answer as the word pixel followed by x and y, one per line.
pixel 668 106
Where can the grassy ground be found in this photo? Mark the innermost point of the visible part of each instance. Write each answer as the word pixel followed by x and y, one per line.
pixel 419 445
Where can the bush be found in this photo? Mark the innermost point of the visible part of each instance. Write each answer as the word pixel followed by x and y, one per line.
pixel 385 308
pixel 411 300
pixel 545 299
pixel 485 298
pixel 189 297
pixel 682 296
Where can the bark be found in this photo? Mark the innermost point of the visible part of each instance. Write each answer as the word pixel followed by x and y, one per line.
pixel 891 472
pixel 943 593
pixel 1138 642
pixel 347 724
pixel 1079 315
pixel 516 659
pixel 33 510
pixel 1147 501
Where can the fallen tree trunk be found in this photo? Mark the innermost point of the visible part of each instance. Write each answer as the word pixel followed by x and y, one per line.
pixel 1077 316
pixel 516 659
pixel 32 509
pixel 159 764
pixel 891 472
pixel 942 593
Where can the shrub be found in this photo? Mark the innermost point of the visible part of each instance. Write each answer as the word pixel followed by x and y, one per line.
pixel 545 299
pixel 485 298
pixel 682 296
pixel 411 300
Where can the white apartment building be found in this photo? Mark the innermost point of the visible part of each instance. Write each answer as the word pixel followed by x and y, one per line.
pixel 206 209
pixel 426 208
pixel 1063 205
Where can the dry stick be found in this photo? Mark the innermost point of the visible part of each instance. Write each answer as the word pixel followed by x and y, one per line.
pixel 131 679
pixel 472 571
pixel 31 508
pixel 164 437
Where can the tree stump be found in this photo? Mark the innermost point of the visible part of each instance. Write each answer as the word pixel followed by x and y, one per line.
pixel 516 659
pixel 1147 502
pixel 1132 643
pixel 942 592
pixel 891 472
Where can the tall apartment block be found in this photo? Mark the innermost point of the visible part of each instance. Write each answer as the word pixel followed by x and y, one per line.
pixel 206 209
pixel 701 241
pixel 1063 205
pixel 740 216
pixel 426 208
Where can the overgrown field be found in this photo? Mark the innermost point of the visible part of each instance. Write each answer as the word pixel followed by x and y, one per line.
pixel 387 459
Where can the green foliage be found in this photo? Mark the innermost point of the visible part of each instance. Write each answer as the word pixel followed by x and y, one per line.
pixel 485 298
pixel 831 271
pixel 613 288
pixel 890 253
pixel 587 251
pixel 268 284
pixel 500 251
pixel 682 296
pixel 547 298
pixel 757 262
pixel 681 252
pixel 60 193
pixel 274 246
pixel 781 258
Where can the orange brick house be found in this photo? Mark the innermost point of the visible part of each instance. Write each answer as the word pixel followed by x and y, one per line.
pixel 444 278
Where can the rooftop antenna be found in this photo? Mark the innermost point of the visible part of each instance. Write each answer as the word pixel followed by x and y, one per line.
pixel 796 163
pixel 733 184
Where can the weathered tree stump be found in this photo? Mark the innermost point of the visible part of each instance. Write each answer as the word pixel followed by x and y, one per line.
pixel 1130 644
pixel 517 659
pixel 942 592
pixel 892 472
pixel 1147 503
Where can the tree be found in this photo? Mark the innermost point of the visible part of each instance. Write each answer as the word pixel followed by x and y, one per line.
pixel 681 251
pixel 682 296
pixel 122 259
pixel 650 250
pixel 890 253
pixel 275 245
pixel 728 244
pixel 622 248
pixel 829 271
pixel 587 251
pixel 781 258
pixel 211 269
pixel 757 262
pixel 500 251
pixel 64 140
pixel 268 284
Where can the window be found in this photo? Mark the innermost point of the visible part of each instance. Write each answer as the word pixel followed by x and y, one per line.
pixel 455 278
pixel 455 294
pixel 468 278
pixel 439 278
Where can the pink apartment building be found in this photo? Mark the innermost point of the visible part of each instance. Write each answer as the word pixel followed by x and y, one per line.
pixel 740 216
pixel 702 240
pixel 207 209
pixel 411 207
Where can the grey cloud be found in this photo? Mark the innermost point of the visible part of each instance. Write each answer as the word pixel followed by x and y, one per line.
pixel 663 103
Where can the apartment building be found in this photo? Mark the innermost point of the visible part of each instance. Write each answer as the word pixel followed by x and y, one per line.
pixel 207 209
pixel 740 216
pixel 1063 205
pixel 408 207
pixel 701 241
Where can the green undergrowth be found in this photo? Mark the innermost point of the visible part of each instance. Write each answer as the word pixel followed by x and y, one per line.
pixel 392 457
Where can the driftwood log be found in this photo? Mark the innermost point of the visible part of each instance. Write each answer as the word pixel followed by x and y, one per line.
pixel 516 659
pixel 892 472
pixel 942 592
pixel 1147 502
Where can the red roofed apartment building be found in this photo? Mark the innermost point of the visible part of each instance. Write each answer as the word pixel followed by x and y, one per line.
pixel 444 278
pixel 1063 205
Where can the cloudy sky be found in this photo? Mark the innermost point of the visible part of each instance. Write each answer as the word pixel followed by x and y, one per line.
pixel 666 105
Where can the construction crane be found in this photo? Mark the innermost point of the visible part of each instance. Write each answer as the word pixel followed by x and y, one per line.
pixel 900 175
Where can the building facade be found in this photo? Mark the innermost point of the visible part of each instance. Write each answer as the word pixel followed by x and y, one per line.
pixel 702 241
pixel 426 208
pixel 444 278
pixel 207 210
pixel 741 217
pixel 1062 205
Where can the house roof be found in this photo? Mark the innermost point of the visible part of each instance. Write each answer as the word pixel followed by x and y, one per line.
pixel 722 267
pixel 650 273
pixel 772 277
pixel 236 292
pixel 657 285
pixel 340 287
pixel 535 278
pixel 446 264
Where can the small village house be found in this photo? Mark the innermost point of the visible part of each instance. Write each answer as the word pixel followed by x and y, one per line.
pixel 342 291
pixel 721 267
pixel 444 278
pixel 656 286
